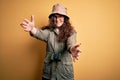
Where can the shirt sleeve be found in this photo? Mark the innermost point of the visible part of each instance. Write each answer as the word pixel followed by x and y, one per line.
pixel 71 40
pixel 41 34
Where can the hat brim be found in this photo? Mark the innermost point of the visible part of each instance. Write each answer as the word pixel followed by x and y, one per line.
pixel 59 14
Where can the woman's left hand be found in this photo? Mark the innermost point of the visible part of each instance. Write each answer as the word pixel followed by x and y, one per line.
pixel 75 51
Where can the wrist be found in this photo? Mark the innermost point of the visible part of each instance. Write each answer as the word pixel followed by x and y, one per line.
pixel 33 30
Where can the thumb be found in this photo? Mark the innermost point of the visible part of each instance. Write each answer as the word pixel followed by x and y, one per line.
pixel 32 18
pixel 77 45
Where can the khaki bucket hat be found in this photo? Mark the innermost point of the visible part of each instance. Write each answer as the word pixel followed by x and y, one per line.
pixel 59 9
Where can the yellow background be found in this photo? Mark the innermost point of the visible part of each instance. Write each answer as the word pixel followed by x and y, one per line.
pixel 98 26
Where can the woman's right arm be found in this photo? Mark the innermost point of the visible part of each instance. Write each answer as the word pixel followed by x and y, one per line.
pixel 29 26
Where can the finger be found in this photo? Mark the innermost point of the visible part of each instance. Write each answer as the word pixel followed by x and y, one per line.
pixel 26 20
pixel 80 43
pixel 78 50
pixel 32 18
pixel 24 26
pixel 77 57
pixel 73 59
pixel 26 30
pixel 76 46
pixel 24 23
pixel 78 54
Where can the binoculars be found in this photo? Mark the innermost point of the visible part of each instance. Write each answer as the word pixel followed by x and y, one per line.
pixel 56 57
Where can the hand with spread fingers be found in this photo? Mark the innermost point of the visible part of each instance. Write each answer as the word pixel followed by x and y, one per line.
pixel 75 51
pixel 27 24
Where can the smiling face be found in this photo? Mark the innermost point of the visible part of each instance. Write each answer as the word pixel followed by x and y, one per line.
pixel 58 20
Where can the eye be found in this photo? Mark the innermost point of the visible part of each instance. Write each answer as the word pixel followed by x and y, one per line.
pixel 58 16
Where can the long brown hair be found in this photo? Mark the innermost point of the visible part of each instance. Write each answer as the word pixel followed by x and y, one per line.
pixel 64 31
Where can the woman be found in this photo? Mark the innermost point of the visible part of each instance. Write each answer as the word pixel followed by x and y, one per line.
pixel 60 38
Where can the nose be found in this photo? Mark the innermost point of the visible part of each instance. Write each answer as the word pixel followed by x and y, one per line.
pixel 56 18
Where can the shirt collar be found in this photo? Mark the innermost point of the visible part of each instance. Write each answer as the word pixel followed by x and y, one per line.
pixel 56 30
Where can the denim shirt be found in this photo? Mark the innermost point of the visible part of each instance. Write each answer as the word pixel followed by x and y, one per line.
pixel 53 69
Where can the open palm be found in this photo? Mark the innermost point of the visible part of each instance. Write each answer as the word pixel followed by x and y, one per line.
pixel 75 52
pixel 28 24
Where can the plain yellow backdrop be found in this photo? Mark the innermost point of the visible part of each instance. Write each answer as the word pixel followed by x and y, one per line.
pixel 97 23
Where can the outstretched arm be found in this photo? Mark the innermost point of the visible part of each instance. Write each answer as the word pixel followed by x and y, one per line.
pixel 73 48
pixel 75 51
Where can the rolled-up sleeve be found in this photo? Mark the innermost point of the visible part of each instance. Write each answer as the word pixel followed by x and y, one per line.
pixel 41 34
pixel 71 40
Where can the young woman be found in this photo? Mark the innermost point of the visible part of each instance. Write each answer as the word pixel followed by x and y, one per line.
pixel 60 38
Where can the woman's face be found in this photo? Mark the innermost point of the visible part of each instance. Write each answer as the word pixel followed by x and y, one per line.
pixel 58 20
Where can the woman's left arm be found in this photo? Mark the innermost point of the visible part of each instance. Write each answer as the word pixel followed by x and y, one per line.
pixel 73 48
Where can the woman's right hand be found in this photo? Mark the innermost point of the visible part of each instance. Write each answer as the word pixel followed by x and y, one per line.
pixel 28 25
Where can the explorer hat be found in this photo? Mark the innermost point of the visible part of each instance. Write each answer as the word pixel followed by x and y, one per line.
pixel 59 9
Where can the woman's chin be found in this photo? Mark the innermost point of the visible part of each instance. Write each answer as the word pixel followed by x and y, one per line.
pixel 58 25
